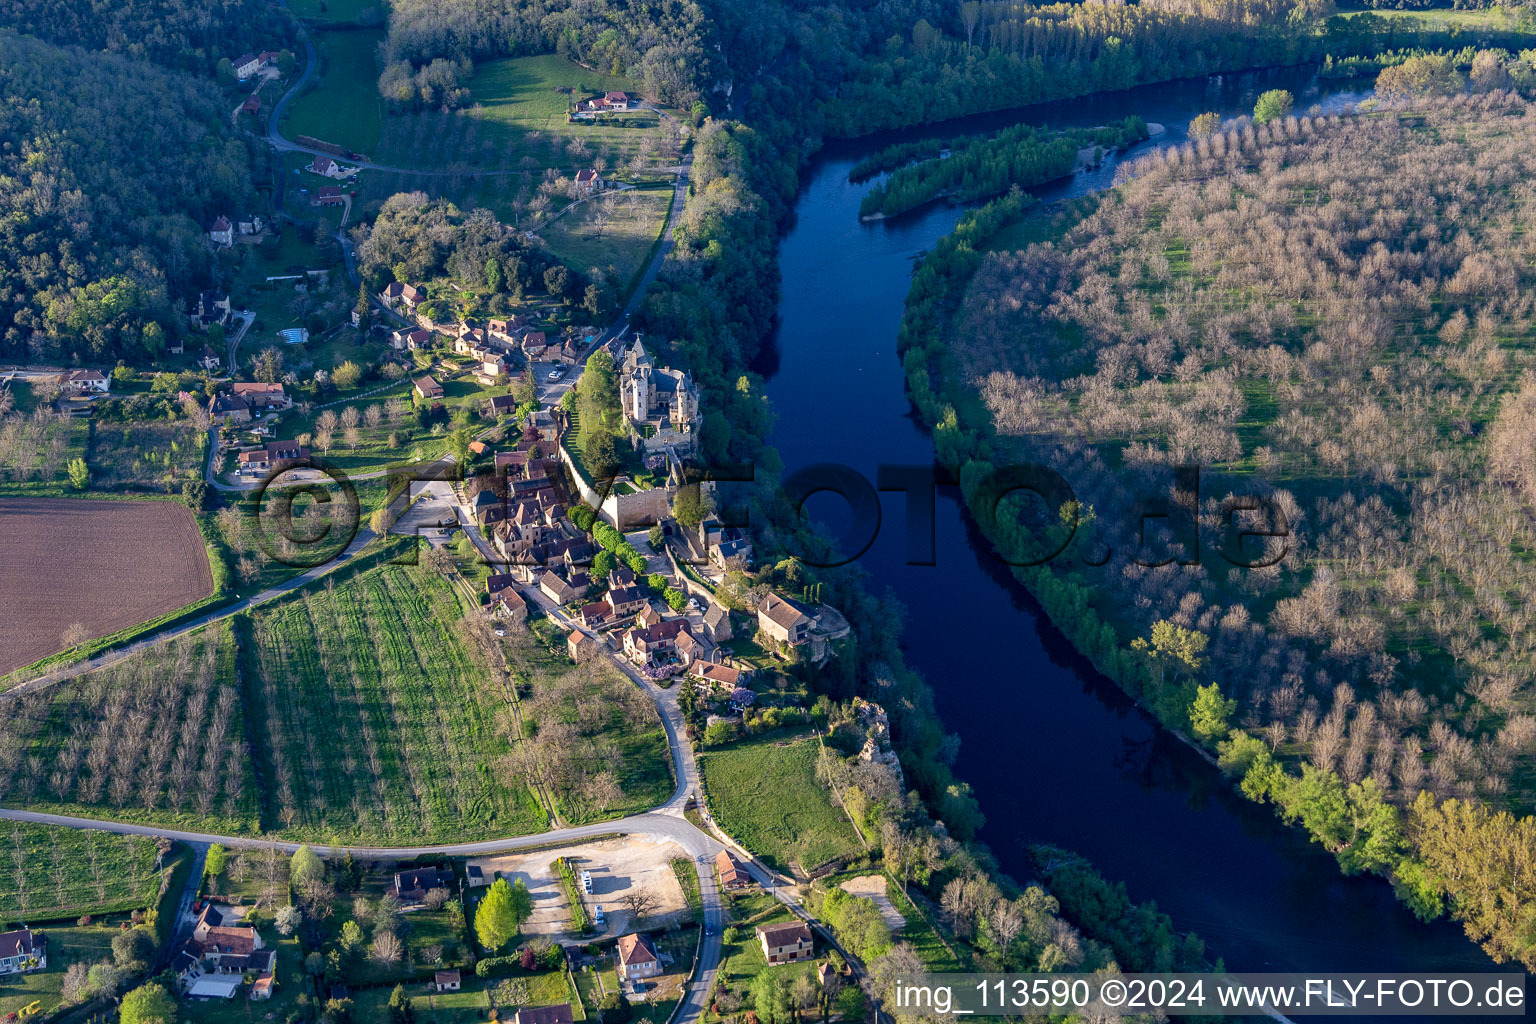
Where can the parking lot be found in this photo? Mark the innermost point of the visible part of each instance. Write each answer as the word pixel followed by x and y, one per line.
pixel 618 866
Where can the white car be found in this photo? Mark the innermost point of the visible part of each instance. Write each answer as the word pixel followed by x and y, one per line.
pixel 554 375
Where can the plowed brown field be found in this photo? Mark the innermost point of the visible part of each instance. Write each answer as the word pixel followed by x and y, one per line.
pixel 104 565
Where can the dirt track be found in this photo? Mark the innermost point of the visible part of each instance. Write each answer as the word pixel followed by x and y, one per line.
pixel 105 565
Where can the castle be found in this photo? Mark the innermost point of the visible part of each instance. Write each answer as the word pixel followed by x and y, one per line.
pixel 661 404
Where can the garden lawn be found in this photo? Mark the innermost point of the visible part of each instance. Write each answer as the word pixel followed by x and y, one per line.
pixel 765 795
pixel 345 108
pixel 67 944
pixel 376 724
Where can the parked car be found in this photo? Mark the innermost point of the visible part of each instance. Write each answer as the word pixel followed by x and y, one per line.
pixel 554 375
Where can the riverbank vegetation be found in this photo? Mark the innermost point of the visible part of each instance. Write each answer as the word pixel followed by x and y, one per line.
pixel 979 168
pixel 1367 667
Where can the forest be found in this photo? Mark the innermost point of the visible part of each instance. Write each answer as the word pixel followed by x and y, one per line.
pixel 982 167
pixel 416 239
pixel 1330 313
pixel 177 34
pixel 108 169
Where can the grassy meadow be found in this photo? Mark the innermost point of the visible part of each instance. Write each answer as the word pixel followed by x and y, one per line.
pixel 765 795
pixel 53 873
pixel 615 232
pixel 344 107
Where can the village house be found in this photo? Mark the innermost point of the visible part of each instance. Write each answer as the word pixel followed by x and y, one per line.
pixel 626 600
pixel 637 957
pixel 787 621
pixel 84 382
pixel 252 105
pixel 787 942
pixel 410 339
pixel 580 646
pixel 428 388
pixel 246 65
pixel 232 408
pixel 252 225
pixel 595 615
pixel 210 360
pixel 407 295
pixel 214 961
pixel 413 884
pixel 732 874
pixel 534 344
pixel 655 645
pixel 726 548
pixel 717 677
pixel 500 405
pixel 327 195
pixel 261 988
pixel 259 395
pixel 275 454
pixel 446 981
pixel 212 308
pixel 615 100
pixel 322 165
pixel 562 591
pixel 588 181
pixel 560 1013
pixel 21 951
pixel 717 623
pixel 222 232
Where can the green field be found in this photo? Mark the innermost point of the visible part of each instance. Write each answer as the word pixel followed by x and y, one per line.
pixel 375 723
pixel 765 795
pixel 344 108
pixel 1442 18
pixel 155 454
pixel 50 873
pixel 337 10
pixel 613 233
pixel 517 119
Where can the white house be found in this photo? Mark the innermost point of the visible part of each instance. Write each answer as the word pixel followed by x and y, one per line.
pixel 21 951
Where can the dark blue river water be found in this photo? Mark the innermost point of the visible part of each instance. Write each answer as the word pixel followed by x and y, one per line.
pixel 1055 752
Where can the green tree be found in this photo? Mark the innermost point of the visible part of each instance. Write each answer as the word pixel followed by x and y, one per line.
pixel 458 444
pixel 615 1009
pixel 133 949
pixel 599 391
pixel 496 919
pixel 305 865
pixel 602 455
pixel 213 867
pixel 1210 713
pixel 770 998
pixel 401 1010
pixel 656 537
pixel 1272 105
pixel 691 505
pixel 347 376
pixel 79 474
pixel 148 1004
pixel 522 902
pixel 1205 125
pixel 352 938
pixel 1172 645
pixel 557 280
pixel 493 275
pixel 364 307
pixel 602 564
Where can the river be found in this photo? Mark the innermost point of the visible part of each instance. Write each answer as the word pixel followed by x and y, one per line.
pixel 1055 752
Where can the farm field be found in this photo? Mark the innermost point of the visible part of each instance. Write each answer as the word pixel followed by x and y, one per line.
pixel 344 108
pixel 613 233
pixel 62 873
pixel 130 561
pixel 765 795
pixel 373 722
pixel 517 114
pixel 156 737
